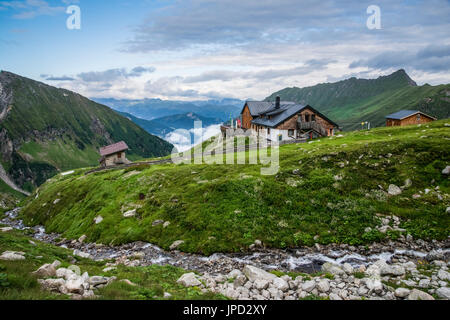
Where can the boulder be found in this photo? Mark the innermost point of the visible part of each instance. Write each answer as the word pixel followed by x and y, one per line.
pixel 392 270
pixel 334 296
pixel 166 224
pixel 52 284
pixel 309 286
pixel 130 213
pixel 419 295
pixel 6 229
pixel 81 254
pixel 443 275
pixel 280 284
pixel 323 285
pixel 443 292
pixel 234 274
pixel 253 273
pixel 157 223
pixel 98 219
pixel 189 280
pixel 374 285
pixel 347 267
pixel 446 171
pixel 97 280
pixel 82 238
pixel 261 284
pixel 75 286
pixel 176 244
pixel 46 271
pixel 393 190
pixel 402 292
pixel 332 268
pixel 12 256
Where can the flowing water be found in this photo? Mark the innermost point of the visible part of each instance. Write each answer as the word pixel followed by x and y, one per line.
pixel 301 260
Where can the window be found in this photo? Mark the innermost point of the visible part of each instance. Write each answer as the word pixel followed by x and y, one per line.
pixel 306 117
pixel 268 130
pixel 313 117
pixel 291 132
pixel 119 155
pixel 418 117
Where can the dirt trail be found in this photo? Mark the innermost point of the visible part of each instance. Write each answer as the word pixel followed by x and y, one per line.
pixel 9 182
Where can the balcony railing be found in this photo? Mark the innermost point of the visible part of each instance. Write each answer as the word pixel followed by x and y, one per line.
pixel 312 125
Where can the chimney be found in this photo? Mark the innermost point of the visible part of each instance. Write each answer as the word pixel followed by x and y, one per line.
pixel 277 103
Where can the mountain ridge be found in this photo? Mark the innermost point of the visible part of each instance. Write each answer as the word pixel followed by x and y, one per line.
pixel 44 130
pixel 351 101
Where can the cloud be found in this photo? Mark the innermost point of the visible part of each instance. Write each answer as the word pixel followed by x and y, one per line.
pixel 114 74
pixel 31 8
pixel 191 23
pixel 432 58
pixel 63 78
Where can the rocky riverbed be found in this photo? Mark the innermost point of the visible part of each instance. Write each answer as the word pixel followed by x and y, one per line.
pixel 342 271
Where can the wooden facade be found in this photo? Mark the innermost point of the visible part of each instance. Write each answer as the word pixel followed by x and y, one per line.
pixel 246 118
pixel 417 118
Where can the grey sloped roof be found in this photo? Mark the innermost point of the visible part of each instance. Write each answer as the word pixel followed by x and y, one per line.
pixel 258 107
pixel 287 111
pixel 402 114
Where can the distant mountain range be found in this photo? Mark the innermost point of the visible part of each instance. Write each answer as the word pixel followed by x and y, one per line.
pixel 164 125
pixel 150 109
pixel 44 130
pixel 351 101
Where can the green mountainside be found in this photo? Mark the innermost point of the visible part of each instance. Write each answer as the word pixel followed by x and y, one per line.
pixel 44 130
pixel 351 101
pixel 332 190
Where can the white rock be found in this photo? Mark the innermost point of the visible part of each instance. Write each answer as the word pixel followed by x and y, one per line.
pixel 347 267
pixel 75 286
pixel 443 275
pixel 12 256
pixel 280 284
pixel 234 274
pixel 82 238
pixel 392 270
pixel 332 268
pixel 253 273
pixel 334 296
pixel 443 292
pixel 81 254
pixel 323 285
pixel 130 213
pixel 52 284
pixel 56 201
pixel 374 284
pixel 65 273
pixel 402 292
pixel 393 190
pixel 261 284
pixel 98 219
pixel 97 280
pixel 189 280
pixel 308 286
pixel 176 244
pixel 6 229
pixel 419 295
pixel 167 295
pixel 446 171
pixel 46 271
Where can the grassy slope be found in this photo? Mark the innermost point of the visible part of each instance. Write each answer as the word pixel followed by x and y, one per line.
pixel 236 205
pixel 17 282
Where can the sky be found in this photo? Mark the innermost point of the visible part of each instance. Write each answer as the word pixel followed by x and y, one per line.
pixel 213 49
